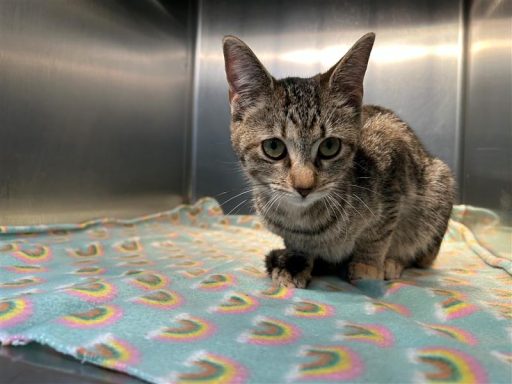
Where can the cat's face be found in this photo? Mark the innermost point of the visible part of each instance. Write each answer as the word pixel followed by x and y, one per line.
pixel 295 137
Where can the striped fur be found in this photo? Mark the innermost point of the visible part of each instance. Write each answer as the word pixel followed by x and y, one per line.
pixel 382 204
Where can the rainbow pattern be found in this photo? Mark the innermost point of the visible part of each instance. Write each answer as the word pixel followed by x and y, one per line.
pixel 448 293
pixel 94 292
pixel 60 236
pixel 236 303
pixel 91 250
pixel 163 299
pixel 217 282
pixel 277 292
pixel 270 331
pixel 450 365
pixel 132 272
pixel 34 255
pixel 193 273
pixel 90 270
pixel 26 268
pixel 93 318
pixel 394 286
pixel 98 233
pixel 455 308
pixel 191 328
pixel 378 335
pixel 187 264
pixel 131 245
pixel 381 306
pixel 253 271
pixel 454 281
pixel 110 352
pixel 166 244
pixel 311 309
pixel 213 368
pixel 455 333
pixel 22 283
pixel 334 363
pixel 136 263
pixel 135 256
pixel 150 281
pixel 9 247
pixel 14 312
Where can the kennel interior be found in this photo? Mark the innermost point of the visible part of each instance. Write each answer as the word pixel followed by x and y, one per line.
pixel 119 108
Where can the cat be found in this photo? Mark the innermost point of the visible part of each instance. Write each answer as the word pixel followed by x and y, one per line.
pixel 339 181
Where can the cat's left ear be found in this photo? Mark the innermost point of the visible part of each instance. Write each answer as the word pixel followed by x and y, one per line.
pixel 345 79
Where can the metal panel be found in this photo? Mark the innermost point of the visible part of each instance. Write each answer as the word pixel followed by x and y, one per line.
pixel 94 107
pixel 414 68
pixel 488 133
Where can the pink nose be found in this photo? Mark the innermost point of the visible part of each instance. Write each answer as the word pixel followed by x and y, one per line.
pixel 304 191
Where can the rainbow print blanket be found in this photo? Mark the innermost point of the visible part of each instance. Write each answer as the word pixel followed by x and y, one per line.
pixel 181 297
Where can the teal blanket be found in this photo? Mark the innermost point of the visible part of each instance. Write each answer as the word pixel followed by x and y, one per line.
pixel 182 297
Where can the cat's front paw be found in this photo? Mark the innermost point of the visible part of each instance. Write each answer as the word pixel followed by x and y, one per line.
pixel 362 271
pixel 288 268
pixel 392 269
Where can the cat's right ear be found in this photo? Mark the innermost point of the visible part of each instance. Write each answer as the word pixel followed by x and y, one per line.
pixel 247 77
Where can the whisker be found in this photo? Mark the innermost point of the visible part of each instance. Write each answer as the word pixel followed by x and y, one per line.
pixel 358 198
pixel 343 215
pixel 277 199
pixel 350 205
pixel 239 204
pixel 234 197
pixel 367 189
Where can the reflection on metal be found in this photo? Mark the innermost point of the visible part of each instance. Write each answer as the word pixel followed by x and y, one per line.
pixel 385 54
pixel 488 129
pixel 414 68
pixel 94 99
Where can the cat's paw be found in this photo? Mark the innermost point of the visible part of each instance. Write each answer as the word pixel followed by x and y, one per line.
pixel 392 269
pixel 361 271
pixel 289 269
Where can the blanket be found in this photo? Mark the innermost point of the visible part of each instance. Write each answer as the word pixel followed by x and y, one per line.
pixel 182 297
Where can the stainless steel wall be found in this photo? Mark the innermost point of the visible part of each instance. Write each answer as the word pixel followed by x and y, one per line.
pixel 415 68
pixel 488 124
pixel 94 107
pixel 94 94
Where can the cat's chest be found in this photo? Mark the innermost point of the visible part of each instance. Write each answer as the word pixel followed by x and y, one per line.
pixel 332 244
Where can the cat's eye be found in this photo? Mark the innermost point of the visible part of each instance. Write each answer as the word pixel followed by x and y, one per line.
pixel 274 148
pixel 329 148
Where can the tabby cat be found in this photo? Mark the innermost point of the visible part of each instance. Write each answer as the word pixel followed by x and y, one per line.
pixel 339 181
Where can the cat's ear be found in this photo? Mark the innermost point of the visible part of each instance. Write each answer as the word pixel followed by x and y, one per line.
pixel 345 79
pixel 247 77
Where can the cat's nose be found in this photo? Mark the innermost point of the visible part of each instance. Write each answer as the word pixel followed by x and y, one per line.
pixel 304 191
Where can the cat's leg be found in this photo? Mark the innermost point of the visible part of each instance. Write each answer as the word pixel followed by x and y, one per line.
pixel 426 258
pixel 400 258
pixel 289 268
pixel 419 234
pixel 368 260
pixel 439 199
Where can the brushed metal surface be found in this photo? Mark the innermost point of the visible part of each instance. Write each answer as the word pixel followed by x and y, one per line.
pixel 488 134
pixel 414 69
pixel 94 107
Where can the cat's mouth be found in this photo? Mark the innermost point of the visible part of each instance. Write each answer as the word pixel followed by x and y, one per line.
pixel 297 200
